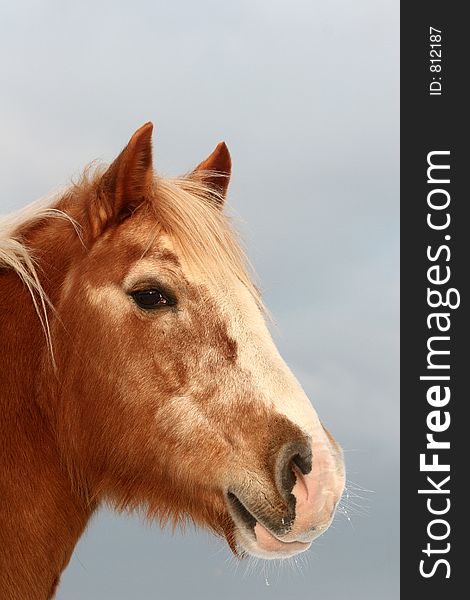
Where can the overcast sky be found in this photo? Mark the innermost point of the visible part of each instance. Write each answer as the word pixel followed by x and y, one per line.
pixel 305 93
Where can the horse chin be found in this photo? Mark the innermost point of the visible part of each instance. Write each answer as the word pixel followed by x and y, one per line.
pixel 253 538
pixel 260 543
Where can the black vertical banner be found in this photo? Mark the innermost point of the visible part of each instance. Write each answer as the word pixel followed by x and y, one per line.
pixel 435 256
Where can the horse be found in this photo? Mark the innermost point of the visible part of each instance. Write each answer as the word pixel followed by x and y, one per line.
pixel 137 369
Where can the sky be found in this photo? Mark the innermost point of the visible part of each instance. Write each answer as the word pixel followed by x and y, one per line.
pixel 305 94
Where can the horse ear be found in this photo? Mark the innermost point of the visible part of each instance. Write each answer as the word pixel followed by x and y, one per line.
pixel 216 171
pixel 125 184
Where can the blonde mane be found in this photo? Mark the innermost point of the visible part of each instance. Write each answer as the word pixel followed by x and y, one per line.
pixel 190 212
pixel 16 256
pixel 185 208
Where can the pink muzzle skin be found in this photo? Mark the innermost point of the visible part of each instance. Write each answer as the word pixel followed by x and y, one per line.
pixel 317 495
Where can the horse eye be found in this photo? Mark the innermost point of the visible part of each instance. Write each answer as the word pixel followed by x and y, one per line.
pixel 150 299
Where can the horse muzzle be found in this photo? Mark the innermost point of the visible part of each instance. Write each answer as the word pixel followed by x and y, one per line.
pixel 281 518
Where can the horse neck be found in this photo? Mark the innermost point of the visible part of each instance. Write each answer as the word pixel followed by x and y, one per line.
pixel 41 517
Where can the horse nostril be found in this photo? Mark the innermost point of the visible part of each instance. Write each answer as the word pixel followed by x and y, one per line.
pixel 292 455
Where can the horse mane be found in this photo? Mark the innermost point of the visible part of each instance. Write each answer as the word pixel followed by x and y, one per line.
pixel 189 212
pixel 185 208
pixel 16 256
